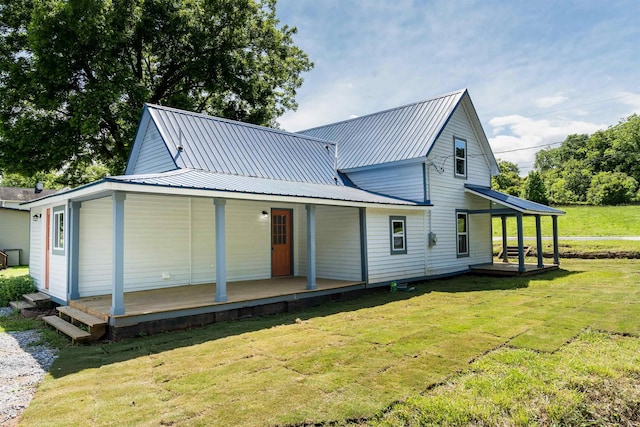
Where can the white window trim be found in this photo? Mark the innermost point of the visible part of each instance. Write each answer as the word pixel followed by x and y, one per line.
pixel 392 234
pixel 456 158
pixel 464 233
pixel 57 219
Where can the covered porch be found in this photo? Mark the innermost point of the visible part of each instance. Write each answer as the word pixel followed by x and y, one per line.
pixel 506 206
pixel 178 302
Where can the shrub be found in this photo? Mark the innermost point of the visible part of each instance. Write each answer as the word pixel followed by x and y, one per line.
pixel 534 189
pixel 12 288
pixel 611 188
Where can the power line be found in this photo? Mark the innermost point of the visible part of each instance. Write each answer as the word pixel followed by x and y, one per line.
pixel 581 105
pixel 528 148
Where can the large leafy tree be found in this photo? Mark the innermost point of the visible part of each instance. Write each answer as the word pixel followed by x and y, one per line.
pixel 508 181
pixel 74 74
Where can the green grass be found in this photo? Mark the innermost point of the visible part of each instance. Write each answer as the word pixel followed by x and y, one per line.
pixel 348 360
pixel 14 272
pixel 581 221
pixel 592 381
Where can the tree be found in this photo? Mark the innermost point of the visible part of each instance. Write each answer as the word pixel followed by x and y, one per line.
pixel 508 181
pixel 612 188
pixel 534 189
pixel 75 74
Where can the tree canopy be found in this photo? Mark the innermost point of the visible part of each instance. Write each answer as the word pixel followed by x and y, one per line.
pixel 75 74
pixel 603 168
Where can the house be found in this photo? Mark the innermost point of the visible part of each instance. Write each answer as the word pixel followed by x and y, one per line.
pixel 213 215
pixel 14 223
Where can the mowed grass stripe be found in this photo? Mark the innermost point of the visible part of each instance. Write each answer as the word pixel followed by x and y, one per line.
pixel 346 360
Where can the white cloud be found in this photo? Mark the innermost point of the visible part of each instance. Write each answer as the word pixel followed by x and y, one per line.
pixel 516 132
pixel 550 101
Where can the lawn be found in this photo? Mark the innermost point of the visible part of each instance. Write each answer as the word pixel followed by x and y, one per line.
pixel 581 221
pixel 362 360
pixel 14 271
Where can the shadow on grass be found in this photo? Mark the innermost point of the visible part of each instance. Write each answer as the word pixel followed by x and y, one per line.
pixel 74 359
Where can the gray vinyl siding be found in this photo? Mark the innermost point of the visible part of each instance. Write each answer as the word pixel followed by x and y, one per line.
pixel 95 258
pixel 383 266
pixel 14 234
pixel 448 195
pixel 154 156
pixel 402 181
pixel 338 243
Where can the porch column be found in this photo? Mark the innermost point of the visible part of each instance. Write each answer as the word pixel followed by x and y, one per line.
pixel 505 258
pixel 539 241
pixel 556 257
pixel 311 247
pixel 74 250
pixel 117 266
pixel 221 251
pixel 364 263
pixel 521 268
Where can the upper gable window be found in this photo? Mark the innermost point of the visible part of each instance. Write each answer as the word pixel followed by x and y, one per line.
pixel 460 157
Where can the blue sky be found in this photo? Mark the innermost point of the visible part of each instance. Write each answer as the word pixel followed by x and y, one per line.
pixel 536 70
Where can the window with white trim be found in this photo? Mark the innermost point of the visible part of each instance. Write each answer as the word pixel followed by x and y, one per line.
pixel 58 230
pixel 462 232
pixel 460 157
pixel 398 233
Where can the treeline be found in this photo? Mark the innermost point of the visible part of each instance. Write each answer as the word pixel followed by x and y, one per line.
pixel 598 169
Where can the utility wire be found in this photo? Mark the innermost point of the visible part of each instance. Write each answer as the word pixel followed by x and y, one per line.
pixel 528 148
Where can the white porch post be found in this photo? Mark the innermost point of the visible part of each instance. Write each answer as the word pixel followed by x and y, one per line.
pixel 311 247
pixel 117 275
pixel 521 268
pixel 221 251
pixel 539 241
pixel 74 250
pixel 556 257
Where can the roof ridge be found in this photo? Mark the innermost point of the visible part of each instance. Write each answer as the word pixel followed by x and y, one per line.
pixel 459 91
pixel 238 123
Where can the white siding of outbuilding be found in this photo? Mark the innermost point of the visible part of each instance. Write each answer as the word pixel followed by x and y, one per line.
pixel 402 181
pixel 447 195
pixel 383 266
pixel 14 234
pixel 153 156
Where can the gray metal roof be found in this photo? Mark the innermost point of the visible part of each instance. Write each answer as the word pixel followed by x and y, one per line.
pixel 17 194
pixel 225 146
pixel 204 180
pixel 401 133
pixel 513 202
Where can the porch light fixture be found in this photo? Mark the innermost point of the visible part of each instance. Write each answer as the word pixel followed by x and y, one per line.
pixel 265 214
pixel 36 217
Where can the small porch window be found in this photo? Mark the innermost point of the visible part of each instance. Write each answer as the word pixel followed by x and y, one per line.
pixel 58 231
pixel 462 231
pixel 398 232
pixel 460 157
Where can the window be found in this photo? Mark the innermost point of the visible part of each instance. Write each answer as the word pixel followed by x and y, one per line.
pixel 462 231
pixel 460 156
pixel 58 230
pixel 397 225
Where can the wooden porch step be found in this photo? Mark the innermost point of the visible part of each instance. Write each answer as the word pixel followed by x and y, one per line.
pixel 97 327
pixel 22 305
pixel 513 251
pixel 76 334
pixel 39 299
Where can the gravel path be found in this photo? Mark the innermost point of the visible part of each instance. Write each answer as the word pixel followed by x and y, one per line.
pixel 22 367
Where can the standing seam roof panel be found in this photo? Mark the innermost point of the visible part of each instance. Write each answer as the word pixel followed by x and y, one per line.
pixel 402 133
pixel 224 146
